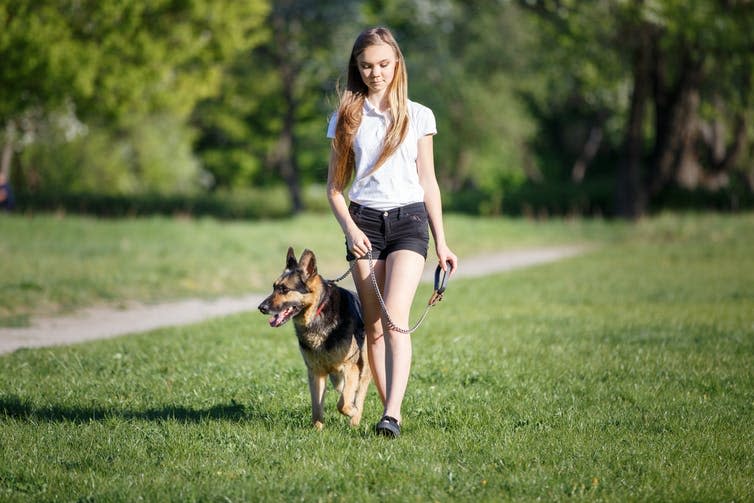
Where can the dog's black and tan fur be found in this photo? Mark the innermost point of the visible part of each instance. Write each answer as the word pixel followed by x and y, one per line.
pixel 330 334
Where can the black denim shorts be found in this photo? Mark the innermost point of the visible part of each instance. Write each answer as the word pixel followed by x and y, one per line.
pixel 403 228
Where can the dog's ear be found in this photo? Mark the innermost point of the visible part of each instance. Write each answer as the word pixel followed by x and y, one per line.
pixel 308 264
pixel 290 261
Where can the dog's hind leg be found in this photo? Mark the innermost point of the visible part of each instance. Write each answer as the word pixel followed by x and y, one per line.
pixel 317 391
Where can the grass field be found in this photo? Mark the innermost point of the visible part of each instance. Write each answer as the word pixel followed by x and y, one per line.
pixel 53 265
pixel 621 375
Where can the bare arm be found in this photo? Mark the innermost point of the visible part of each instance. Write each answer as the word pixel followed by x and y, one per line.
pixel 356 240
pixel 432 200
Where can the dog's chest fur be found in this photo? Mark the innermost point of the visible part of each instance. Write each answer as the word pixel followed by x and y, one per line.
pixel 334 336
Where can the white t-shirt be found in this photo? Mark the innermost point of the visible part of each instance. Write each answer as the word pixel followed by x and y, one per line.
pixel 396 182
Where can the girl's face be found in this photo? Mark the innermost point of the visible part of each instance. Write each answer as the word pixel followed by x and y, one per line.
pixel 377 67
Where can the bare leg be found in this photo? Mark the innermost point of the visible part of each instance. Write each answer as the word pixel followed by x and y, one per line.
pixel 403 273
pixel 372 321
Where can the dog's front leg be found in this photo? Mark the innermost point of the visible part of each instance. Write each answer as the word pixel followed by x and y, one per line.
pixel 346 404
pixel 317 391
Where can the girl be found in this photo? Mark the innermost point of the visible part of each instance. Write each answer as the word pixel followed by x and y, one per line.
pixel 383 141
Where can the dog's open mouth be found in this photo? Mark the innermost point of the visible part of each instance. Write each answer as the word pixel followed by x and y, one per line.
pixel 280 318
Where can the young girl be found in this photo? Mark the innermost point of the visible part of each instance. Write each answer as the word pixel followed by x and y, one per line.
pixel 383 141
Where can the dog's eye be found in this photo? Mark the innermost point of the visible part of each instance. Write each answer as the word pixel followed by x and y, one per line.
pixel 283 289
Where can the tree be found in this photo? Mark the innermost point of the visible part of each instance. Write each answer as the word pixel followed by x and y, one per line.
pixel 467 61
pixel 688 69
pixel 114 61
pixel 271 125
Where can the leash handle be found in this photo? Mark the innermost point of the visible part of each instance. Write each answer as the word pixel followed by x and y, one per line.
pixel 441 282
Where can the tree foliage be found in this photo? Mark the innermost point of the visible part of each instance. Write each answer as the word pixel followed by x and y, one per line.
pixel 467 61
pixel 686 70
pixel 268 121
pixel 116 62
pixel 536 100
pixel 114 58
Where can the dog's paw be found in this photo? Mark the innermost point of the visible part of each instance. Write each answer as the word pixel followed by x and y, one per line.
pixel 355 419
pixel 318 425
pixel 347 409
pixel 354 413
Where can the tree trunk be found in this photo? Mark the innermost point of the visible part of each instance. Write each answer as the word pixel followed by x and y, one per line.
pixel 675 119
pixel 687 171
pixel 630 198
pixel 287 163
pixel 725 158
pixel 285 151
pixel 588 152
pixel 7 156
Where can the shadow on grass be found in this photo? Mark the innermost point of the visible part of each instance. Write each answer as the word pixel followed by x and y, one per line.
pixel 19 408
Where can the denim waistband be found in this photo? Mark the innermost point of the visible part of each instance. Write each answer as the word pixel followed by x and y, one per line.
pixel 407 209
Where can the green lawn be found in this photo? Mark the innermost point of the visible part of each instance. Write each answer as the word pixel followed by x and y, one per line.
pixel 53 265
pixel 623 375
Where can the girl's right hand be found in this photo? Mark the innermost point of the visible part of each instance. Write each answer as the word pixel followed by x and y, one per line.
pixel 358 242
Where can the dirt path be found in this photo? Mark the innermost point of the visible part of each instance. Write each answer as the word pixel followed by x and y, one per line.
pixel 100 323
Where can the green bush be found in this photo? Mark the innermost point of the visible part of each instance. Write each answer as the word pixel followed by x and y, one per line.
pixel 152 154
pixel 264 202
pixel 243 205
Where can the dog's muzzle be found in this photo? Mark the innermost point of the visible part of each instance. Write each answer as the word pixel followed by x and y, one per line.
pixel 264 307
pixel 279 317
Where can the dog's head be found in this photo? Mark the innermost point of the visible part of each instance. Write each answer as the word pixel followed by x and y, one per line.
pixel 294 291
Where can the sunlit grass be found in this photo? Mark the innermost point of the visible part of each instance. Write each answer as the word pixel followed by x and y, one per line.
pixel 621 375
pixel 51 265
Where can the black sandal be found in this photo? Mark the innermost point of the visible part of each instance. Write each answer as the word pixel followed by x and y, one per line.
pixel 388 426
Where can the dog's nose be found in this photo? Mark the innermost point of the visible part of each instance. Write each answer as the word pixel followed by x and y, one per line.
pixel 264 307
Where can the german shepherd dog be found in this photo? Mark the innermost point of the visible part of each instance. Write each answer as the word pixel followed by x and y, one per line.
pixel 330 332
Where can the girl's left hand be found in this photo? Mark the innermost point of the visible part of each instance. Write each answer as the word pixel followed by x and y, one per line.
pixel 447 259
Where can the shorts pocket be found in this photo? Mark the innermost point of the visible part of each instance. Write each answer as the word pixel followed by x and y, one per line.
pixel 413 225
pixel 420 218
pixel 417 214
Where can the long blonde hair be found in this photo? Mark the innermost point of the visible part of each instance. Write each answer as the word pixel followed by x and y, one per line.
pixel 352 103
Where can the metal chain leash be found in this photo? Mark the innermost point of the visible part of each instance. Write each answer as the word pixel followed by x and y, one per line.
pixel 390 324
pixel 434 299
pixel 345 274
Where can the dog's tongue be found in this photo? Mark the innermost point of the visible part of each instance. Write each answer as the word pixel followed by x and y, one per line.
pixel 280 318
pixel 276 320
